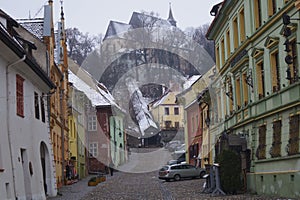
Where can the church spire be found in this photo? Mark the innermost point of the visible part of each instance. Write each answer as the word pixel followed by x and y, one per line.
pixel 171 18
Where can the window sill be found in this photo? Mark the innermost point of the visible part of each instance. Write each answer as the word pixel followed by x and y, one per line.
pixel 277 159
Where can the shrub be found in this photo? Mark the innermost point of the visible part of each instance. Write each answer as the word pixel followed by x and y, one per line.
pixel 230 171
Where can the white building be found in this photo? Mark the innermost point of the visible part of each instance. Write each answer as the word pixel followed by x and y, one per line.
pixel 26 169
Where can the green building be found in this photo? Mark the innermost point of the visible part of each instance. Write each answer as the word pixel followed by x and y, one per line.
pixel 118 150
pixel 257 92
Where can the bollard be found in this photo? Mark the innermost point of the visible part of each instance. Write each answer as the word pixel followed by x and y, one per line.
pixel 218 190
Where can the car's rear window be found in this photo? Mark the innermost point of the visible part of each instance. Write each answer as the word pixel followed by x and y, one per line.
pixel 164 168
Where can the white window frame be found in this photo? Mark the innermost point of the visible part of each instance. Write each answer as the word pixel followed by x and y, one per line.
pixel 92 123
pixel 93 149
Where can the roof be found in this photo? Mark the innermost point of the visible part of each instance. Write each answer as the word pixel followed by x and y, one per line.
pixel 115 28
pixel 164 97
pixel 171 18
pixel 140 20
pixel 143 116
pixel 216 10
pixel 35 26
pixel 95 91
pixel 15 46
pixel 137 20
pixel 191 81
pixel 91 93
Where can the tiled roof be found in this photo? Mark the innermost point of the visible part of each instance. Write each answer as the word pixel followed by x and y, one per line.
pixel 35 26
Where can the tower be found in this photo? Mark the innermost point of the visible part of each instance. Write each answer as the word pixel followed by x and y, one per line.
pixel 171 18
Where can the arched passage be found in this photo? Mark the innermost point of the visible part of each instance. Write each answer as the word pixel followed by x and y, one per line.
pixel 45 161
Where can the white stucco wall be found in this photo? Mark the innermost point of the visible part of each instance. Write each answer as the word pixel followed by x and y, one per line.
pixel 26 135
pixel 6 178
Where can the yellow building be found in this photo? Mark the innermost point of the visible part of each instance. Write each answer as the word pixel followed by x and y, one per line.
pixel 168 117
pixel 73 124
pixel 58 101
pixel 166 112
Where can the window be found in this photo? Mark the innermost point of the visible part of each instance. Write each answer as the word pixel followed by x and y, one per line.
pixel 242 25
pixel 20 95
pixel 193 124
pixel 197 123
pixel 293 145
pixel 177 125
pixel 218 57
pixel 228 43
pixel 168 124
pixel 222 51
pixel 219 110
pixel 292 73
pixel 224 101
pixel 235 33
pixel 167 112
pixel 238 92
pixel 193 150
pixel 260 79
pixel 276 145
pixel 271 7
pixel 261 150
pixel 245 89
pixel 257 13
pixel 230 95
pixel 43 113
pixel 92 123
pixel 93 149
pixel 176 111
pixel 275 71
pixel 36 105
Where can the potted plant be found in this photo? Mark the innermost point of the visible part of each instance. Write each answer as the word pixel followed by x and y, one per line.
pixel 93 181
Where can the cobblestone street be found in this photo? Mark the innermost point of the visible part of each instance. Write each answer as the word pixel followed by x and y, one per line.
pixel 143 185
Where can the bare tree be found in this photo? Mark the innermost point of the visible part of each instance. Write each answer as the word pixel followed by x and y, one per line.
pixel 79 44
pixel 199 36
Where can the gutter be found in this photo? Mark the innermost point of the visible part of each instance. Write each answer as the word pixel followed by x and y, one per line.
pixel 7 119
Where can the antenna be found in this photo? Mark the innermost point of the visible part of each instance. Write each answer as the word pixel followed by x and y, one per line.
pixel 38 12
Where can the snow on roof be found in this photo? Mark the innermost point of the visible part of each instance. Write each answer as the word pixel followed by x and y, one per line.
pixel 161 100
pixel 140 107
pixel 91 93
pixel 95 91
pixel 34 26
pixel 191 81
pixel 143 115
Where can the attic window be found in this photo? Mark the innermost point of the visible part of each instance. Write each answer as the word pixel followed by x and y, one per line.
pixel 257 52
pixel 27 45
pixel 271 42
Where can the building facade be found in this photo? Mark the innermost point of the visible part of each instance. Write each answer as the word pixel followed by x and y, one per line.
pixel 258 89
pixel 26 170
pixel 58 72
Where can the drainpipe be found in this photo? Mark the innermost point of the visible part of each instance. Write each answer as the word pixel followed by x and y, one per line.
pixel 62 120
pixel 7 120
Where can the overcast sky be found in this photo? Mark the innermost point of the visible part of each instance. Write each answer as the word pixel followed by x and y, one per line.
pixel 93 16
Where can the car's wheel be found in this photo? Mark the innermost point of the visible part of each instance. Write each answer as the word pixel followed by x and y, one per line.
pixel 177 177
pixel 202 174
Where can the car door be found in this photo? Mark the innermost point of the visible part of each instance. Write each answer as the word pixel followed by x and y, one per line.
pixel 191 171
pixel 185 170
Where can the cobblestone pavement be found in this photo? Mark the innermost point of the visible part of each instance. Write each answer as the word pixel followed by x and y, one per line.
pixel 144 185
